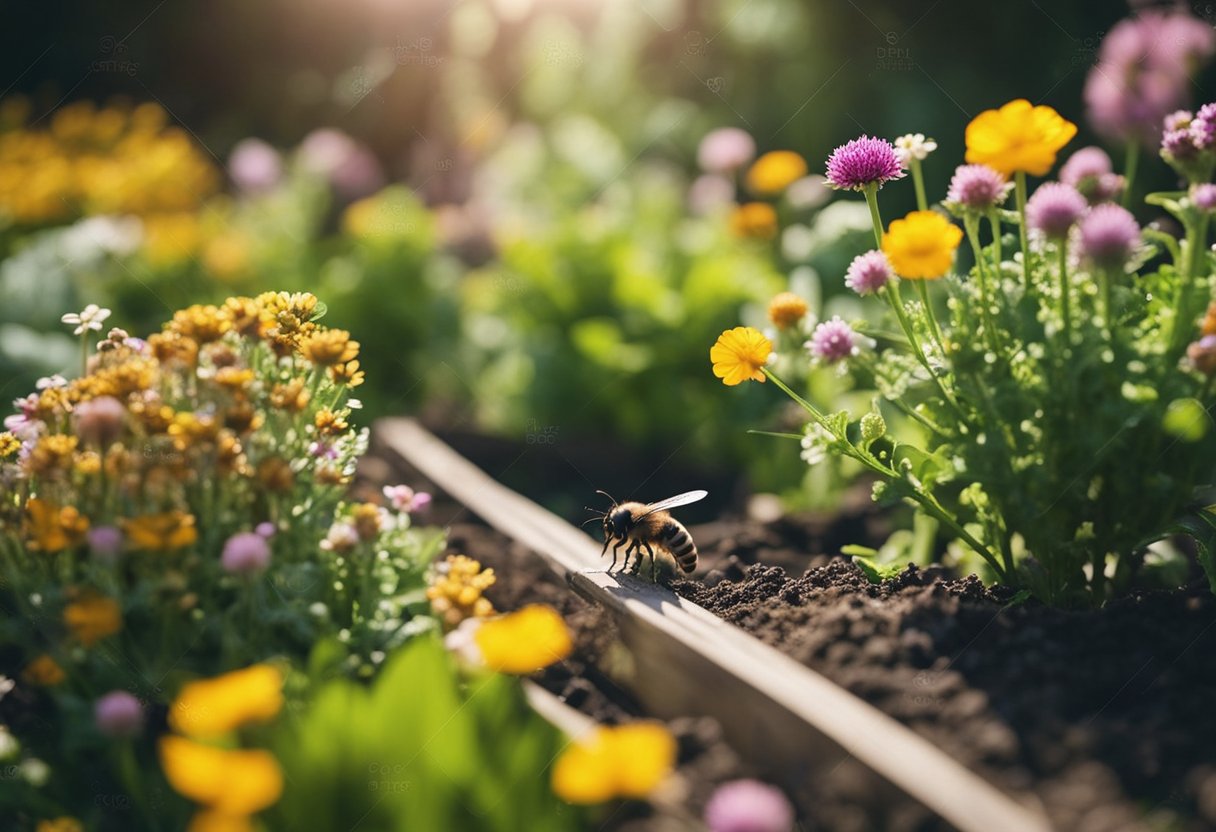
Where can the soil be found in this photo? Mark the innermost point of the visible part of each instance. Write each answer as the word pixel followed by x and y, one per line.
pixel 1107 716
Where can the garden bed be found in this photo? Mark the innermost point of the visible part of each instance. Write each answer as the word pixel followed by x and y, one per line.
pixel 834 755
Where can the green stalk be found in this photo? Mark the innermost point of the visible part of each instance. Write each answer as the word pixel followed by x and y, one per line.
pixel 971 225
pixel 1130 163
pixel 995 221
pixel 1196 251
pixel 891 290
pixel 1104 280
pixel 1065 302
pixel 918 180
pixel 871 192
pixel 922 289
pixel 1020 191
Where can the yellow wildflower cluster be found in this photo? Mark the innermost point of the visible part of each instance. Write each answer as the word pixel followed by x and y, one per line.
pixel 225 393
pixel 88 160
pixel 456 590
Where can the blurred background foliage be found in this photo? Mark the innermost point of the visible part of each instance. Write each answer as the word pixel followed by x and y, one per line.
pixel 505 218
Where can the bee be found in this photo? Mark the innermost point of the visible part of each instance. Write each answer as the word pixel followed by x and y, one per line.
pixel 646 526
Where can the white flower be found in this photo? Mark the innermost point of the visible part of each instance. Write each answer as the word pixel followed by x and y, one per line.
pixel 51 382
pixel 913 146
pixel 342 537
pixel 91 318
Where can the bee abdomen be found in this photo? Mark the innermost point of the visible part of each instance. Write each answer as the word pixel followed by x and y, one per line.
pixel 678 541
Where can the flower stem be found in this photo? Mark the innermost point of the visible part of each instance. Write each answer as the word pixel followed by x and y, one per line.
pixel 871 192
pixel 971 224
pixel 84 353
pixel 918 180
pixel 1196 250
pixel 1104 280
pixel 1065 292
pixel 995 222
pixel 1020 191
pixel 935 331
pixel 891 290
pixel 1130 163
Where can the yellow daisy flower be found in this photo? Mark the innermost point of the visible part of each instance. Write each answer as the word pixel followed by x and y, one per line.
pixel 165 531
pixel 231 782
pixel 210 707
pixel 739 354
pixel 921 245
pixel 1018 137
pixel 626 761
pixel 524 641
pixel 50 528
pixel 775 171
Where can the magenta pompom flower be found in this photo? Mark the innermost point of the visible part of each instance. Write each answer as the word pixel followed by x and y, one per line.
pixel 863 162
pixel 868 273
pixel 1109 234
pixel 977 187
pixel 725 149
pixel 245 553
pixel 833 341
pixel 1054 208
pixel 748 806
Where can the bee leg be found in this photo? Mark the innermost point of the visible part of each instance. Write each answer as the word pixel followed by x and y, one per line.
pixel 650 552
pixel 637 561
pixel 631 549
pixel 615 550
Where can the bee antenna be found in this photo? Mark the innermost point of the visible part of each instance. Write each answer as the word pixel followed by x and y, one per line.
pixel 606 494
pixel 590 520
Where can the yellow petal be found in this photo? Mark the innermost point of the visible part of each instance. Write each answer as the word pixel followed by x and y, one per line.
pixel 211 707
pixel 232 782
pixel 524 641
pixel 626 761
pixel 211 820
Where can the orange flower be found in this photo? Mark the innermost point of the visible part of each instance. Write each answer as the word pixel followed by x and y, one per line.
pixel 786 309
pixel 164 532
pixel 93 618
pixel 756 220
pixel 775 171
pixel 1018 137
pixel 50 528
pixel 44 671
pixel 739 354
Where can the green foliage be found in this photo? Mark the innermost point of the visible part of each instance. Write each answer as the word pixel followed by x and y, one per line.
pixel 421 748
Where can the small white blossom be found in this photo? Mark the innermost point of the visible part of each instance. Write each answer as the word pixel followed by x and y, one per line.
pixel 913 146
pixel 342 537
pixel 90 318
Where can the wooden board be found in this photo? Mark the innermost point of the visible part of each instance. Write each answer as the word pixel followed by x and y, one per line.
pixel 780 715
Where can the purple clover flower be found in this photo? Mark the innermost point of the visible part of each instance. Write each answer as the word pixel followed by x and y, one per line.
pixel 863 162
pixel 1054 208
pixel 1109 234
pixel 105 543
pixel 833 341
pixel 977 187
pixel 255 166
pixel 118 715
pixel 245 553
pixel 1089 170
pixel 1204 196
pixel 868 273
pixel 748 806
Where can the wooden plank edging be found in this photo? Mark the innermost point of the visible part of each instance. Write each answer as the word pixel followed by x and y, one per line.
pixel 790 710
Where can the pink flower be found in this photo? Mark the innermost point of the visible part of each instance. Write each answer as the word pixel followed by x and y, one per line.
pixel 863 162
pixel 255 166
pixel 1054 208
pixel 100 421
pixel 725 150
pixel 404 499
pixel 748 806
pixel 245 553
pixel 833 341
pixel 118 715
pixel 978 187
pixel 1089 170
pixel 1109 235
pixel 105 542
pixel 868 273
pixel 349 166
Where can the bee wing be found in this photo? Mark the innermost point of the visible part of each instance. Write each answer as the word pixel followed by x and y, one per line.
pixel 678 500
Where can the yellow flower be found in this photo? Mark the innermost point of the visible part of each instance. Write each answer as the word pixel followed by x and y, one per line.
pixel 50 528
pixel 775 171
pixel 757 220
pixel 231 782
pixel 921 245
pixel 210 707
pixel 1018 137
pixel 524 641
pixel 171 238
pixel 739 354
pixel 9 445
pixel 93 618
pixel 44 671
pixel 329 347
pixel 166 531
pixel 348 374
pixel 62 824
pixel 213 820
pixel 786 310
pixel 626 761
pixel 456 588
pixel 51 454
pixel 200 323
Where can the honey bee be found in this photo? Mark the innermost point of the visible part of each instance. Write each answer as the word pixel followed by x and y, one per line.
pixel 647 526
